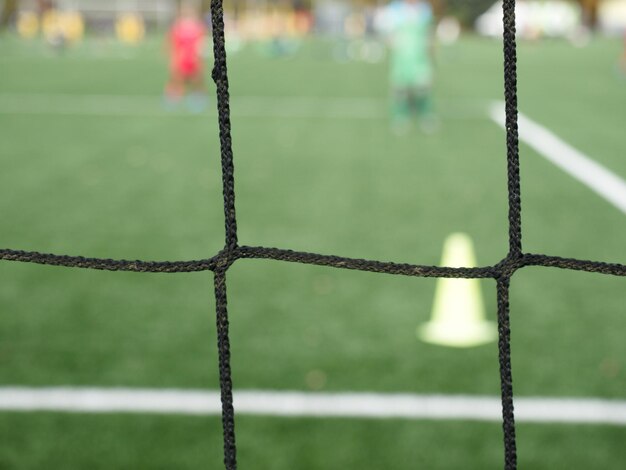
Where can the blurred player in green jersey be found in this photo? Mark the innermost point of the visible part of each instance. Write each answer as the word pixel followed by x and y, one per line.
pixel 408 26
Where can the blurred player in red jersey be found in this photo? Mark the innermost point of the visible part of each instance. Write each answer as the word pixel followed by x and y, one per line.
pixel 184 43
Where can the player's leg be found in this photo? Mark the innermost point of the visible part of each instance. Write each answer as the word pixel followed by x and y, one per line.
pixel 174 88
pixel 404 76
pixel 400 109
pixel 428 120
pixel 197 98
pixel 424 101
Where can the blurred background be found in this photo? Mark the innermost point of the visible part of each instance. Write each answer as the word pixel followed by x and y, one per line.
pixel 109 148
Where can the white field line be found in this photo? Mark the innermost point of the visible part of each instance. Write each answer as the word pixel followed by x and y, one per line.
pixel 589 172
pixel 242 106
pixel 308 404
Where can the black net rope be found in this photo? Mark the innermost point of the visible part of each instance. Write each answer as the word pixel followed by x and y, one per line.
pixel 221 262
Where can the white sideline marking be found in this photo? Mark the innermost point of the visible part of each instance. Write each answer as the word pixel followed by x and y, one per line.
pixel 589 172
pixel 307 404
pixel 242 106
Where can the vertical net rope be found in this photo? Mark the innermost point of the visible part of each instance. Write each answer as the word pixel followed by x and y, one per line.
pixel 221 262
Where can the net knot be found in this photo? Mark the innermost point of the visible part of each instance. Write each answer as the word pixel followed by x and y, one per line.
pixel 507 267
pixel 215 73
pixel 225 259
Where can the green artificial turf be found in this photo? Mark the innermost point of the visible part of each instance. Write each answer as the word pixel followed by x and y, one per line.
pixel 79 179
pixel 153 442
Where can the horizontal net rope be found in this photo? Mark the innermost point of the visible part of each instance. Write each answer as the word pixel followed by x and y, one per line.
pixel 106 264
pixel 220 263
pixel 278 254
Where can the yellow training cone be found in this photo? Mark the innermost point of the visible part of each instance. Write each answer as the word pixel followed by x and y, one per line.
pixel 458 318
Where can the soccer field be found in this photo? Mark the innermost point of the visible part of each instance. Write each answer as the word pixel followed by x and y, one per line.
pixel 93 165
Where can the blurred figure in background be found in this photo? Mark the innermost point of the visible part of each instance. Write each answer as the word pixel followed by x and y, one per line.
pixel 622 60
pixel 184 44
pixel 408 26
pixel 7 12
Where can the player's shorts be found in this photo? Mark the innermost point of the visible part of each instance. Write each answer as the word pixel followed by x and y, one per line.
pixel 187 68
pixel 414 73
